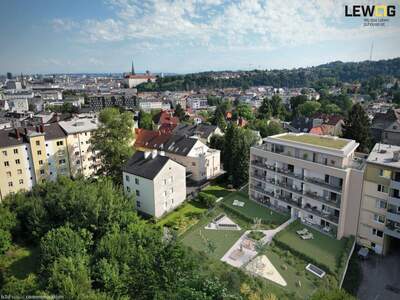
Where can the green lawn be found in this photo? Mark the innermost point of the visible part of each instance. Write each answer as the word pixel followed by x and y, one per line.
pixel 20 261
pixel 184 210
pixel 293 271
pixel 216 190
pixel 221 239
pixel 315 140
pixel 252 209
pixel 323 249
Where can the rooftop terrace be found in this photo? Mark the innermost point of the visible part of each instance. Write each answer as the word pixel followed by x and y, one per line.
pixel 315 140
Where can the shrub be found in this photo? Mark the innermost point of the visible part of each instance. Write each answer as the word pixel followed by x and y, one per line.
pixel 207 200
pixel 5 240
pixel 256 235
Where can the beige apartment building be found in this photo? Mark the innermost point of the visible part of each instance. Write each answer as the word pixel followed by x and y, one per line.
pixel 379 221
pixel 317 179
pixel 31 155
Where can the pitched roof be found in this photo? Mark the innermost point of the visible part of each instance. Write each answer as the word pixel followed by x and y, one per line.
pixel 150 138
pixel 165 118
pixel 202 130
pixel 17 136
pixel 148 167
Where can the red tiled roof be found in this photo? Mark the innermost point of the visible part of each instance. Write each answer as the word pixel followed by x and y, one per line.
pixel 150 138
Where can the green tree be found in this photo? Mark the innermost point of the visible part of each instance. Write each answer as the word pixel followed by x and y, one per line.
pixel 245 111
pixel 331 294
pixel 330 108
pixel 180 112
pixel 278 110
pixel 296 101
pixel 266 128
pixel 146 121
pixel 265 110
pixel 308 108
pixel 113 139
pixel 357 127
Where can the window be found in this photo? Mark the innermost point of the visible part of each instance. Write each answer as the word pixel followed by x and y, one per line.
pixel 15 151
pixel 137 203
pixel 39 152
pixel 385 173
pixel 77 153
pixel 165 181
pixel 380 204
pixel 128 189
pixel 17 161
pixel 8 174
pixel 61 161
pixel 19 171
pixel 21 181
pixel 78 162
pixel 10 184
pixel 193 163
pixel 41 172
pixel 37 143
pixel 127 178
pixel 137 193
pixel 6 164
pixel 5 153
pixel 377 232
pixel 60 143
pixel 136 180
pixel 172 190
pixel 165 193
pixel 382 188
pixel 40 162
pixel 379 219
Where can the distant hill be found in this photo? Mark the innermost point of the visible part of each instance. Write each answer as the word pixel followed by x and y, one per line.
pixel 334 71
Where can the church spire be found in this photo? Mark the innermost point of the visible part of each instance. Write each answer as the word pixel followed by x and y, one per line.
pixel 133 69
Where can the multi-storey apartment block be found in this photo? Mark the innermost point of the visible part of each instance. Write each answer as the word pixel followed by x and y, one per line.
pixel 158 183
pixel 379 221
pixel 84 161
pixel 30 155
pixel 315 178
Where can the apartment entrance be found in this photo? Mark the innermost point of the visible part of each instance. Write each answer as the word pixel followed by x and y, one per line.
pixel 294 212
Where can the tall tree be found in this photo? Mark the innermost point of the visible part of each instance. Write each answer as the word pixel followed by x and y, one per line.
pixel 244 110
pixel 265 110
pixel 146 120
pixel 308 108
pixel 277 107
pixel 113 139
pixel 357 127
pixel 179 112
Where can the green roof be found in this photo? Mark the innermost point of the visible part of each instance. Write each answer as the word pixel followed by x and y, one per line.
pixel 315 140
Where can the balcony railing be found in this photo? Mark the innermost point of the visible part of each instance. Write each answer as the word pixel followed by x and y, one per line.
pixel 331 230
pixel 393 215
pixel 322 183
pixel 315 196
pixel 392 230
pixel 261 190
pixel 322 214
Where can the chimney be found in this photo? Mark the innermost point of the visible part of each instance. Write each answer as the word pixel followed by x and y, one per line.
pixel 41 128
pixel 146 154
pixel 153 154
pixel 396 156
pixel 17 134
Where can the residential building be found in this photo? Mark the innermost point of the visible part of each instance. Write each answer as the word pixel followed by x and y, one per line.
pixel 317 179
pixel 197 102
pixel 165 121
pixel 83 159
pixel 30 155
pixel 100 101
pixel 157 182
pixel 204 132
pixel 379 221
pixel 385 127
pixel 201 162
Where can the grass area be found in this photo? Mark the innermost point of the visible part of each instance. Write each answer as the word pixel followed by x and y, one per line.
pixel 20 261
pixel 322 248
pixel 315 140
pixel 252 209
pixel 216 190
pixel 185 209
pixel 197 236
pixel 292 269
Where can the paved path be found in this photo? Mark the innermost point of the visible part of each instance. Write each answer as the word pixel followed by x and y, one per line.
pixel 247 253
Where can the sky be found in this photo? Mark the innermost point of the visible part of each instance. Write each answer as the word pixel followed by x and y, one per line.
pixel 183 36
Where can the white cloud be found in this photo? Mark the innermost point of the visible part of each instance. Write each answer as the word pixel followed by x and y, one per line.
pixel 219 24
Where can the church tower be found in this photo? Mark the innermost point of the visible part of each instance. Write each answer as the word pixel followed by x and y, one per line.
pixel 133 69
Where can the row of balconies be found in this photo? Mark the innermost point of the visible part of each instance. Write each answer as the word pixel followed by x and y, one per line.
pixel 288 173
pixel 293 188
pixel 325 214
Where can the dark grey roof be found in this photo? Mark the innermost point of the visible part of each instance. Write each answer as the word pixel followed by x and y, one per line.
pixel 178 144
pixel 202 130
pixel 145 167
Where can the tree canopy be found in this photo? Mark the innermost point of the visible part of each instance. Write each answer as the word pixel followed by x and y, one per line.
pixel 357 127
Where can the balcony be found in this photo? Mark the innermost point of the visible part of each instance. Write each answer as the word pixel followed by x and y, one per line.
pixel 393 216
pixel 315 196
pixel 392 231
pixel 395 184
pixel 331 230
pixel 289 173
pixel 320 213
pixel 268 204
pixel 289 187
pixel 394 201
pixel 261 190
pixel 289 201
pixel 320 182
pixel 262 165
pixel 258 176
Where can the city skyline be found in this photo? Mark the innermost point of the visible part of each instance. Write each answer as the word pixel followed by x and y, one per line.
pixel 184 36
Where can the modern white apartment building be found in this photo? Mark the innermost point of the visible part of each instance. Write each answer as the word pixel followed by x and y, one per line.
pixel 157 182
pixel 379 221
pixel 315 178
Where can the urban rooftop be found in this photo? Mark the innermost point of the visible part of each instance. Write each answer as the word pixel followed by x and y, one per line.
pixel 315 140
